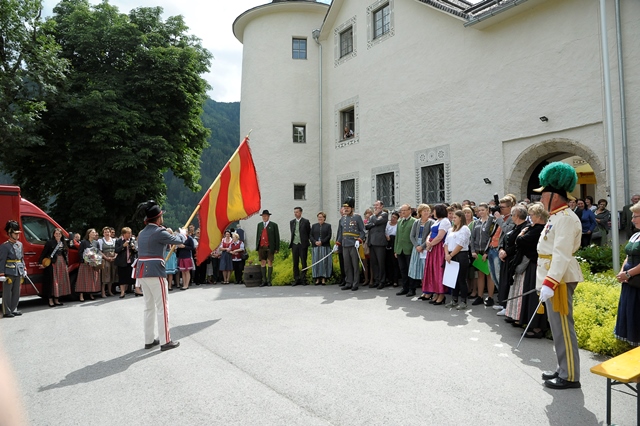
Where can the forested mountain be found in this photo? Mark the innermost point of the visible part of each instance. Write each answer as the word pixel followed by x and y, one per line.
pixel 224 121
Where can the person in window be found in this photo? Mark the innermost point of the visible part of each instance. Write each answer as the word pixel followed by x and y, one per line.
pixel 55 281
pixel 348 133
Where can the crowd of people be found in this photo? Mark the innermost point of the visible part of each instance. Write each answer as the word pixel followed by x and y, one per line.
pixel 494 250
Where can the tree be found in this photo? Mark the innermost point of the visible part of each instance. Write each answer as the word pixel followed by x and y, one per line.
pixel 30 71
pixel 129 111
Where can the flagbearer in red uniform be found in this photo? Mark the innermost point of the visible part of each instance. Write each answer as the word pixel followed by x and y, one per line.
pixel 268 243
pixel 152 275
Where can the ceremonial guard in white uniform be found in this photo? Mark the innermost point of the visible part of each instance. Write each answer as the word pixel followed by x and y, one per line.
pixel 149 270
pixel 558 271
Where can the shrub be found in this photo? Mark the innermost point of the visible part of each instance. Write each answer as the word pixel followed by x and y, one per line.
pixel 283 267
pixel 599 258
pixel 595 307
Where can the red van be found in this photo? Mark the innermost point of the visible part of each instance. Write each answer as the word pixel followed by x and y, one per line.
pixel 37 227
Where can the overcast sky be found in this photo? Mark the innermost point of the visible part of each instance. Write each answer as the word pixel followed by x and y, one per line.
pixel 211 21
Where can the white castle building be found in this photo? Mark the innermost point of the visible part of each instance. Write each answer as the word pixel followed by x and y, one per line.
pixel 447 100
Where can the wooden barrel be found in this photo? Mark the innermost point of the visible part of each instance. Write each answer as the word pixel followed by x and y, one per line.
pixel 252 276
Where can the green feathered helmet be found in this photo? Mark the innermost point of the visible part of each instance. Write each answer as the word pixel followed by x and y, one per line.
pixel 558 177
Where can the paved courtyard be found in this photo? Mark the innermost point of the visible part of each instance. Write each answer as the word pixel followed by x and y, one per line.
pixel 291 356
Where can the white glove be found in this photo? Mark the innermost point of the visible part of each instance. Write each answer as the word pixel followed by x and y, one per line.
pixel 357 245
pixel 546 293
pixel 335 248
pixel 183 231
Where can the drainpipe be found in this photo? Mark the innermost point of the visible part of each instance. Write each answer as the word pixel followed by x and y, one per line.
pixel 623 111
pixel 615 237
pixel 316 35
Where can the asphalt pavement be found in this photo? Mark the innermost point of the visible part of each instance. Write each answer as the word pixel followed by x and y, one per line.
pixel 310 355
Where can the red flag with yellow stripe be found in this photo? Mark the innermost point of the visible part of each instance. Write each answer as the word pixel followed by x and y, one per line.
pixel 234 195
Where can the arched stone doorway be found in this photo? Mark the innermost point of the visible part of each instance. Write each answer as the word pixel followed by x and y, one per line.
pixel 525 169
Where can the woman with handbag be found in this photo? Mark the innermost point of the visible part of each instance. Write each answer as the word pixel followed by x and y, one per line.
pixel 628 321
pixel 54 260
pixel 88 273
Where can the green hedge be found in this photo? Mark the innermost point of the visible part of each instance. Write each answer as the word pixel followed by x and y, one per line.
pixel 282 266
pixel 595 308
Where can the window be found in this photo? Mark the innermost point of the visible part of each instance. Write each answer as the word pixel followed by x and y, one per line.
pixel 346 42
pixel 299 132
pixel 385 188
pixel 37 230
pixel 347 118
pixel 433 184
pixel 299 191
pixel 381 21
pixel 299 48
pixel 347 189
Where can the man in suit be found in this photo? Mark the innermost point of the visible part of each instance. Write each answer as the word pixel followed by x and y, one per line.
pixel 300 230
pixel 267 245
pixel 377 241
pixel 403 248
pixel 625 218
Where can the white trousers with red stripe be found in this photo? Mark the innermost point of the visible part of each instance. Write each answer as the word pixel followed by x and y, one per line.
pixel 156 303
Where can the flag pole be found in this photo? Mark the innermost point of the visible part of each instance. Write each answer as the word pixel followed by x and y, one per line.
pixel 197 209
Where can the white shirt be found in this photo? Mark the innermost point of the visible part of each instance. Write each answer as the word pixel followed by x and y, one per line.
pixel 459 238
pixel 390 229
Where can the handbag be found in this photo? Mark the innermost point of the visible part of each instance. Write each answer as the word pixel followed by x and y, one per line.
pixel 634 281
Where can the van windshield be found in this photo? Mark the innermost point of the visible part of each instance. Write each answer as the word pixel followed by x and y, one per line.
pixel 36 229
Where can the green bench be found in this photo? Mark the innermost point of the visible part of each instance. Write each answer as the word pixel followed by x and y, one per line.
pixel 621 370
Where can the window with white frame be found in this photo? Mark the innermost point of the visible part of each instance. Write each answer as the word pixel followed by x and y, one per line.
pixel 299 48
pixel 299 133
pixel 381 21
pixel 346 42
pixel 299 191
pixel 433 184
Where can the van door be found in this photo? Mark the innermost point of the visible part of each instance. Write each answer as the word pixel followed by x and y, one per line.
pixel 36 232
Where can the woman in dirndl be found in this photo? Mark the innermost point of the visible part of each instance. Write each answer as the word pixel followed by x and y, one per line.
pixel 54 260
pixel 433 268
pixel 88 275
pixel 108 274
pixel 320 238
pixel 171 265
pixel 418 236
pixel 226 265
pixel 524 310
